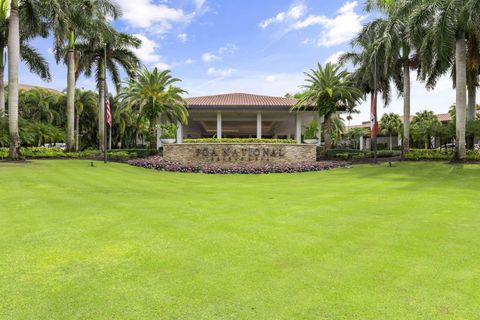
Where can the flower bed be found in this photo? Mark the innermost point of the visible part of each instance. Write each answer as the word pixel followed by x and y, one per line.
pixel 158 163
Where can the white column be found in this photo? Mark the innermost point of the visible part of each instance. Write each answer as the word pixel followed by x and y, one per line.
pixel 159 134
pixel 298 128
pixel 361 143
pixel 400 140
pixel 179 132
pixel 259 125
pixel 219 125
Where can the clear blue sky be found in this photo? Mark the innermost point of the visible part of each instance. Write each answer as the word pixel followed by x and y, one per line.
pixel 253 46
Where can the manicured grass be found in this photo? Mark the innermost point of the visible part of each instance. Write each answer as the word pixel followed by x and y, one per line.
pixel 118 242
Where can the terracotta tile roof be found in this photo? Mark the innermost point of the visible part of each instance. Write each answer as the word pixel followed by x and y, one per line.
pixel 243 100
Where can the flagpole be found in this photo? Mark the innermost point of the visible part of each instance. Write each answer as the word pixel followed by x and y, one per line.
pixel 105 159
pixel 375 124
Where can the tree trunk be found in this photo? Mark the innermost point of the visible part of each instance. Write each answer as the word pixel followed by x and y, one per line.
pixel 71 99
pixel 391 141
pixel 406 109
pixel 13 62
pixel 471 112
pixel 101 115
pixel 77 132
pixel 2 83
pixel 327 124
pixel 109 138
pixel 152 134
pixel 472 103
pixel 461 95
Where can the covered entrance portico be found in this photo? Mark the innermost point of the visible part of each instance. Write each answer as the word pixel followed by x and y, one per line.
pixel 244 116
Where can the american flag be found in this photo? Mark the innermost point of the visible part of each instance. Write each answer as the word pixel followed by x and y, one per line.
pixel 373 119
pixel 108 114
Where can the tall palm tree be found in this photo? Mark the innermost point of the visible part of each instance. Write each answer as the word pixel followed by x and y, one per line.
pixel 119 54
pixel 25 12
pixel 72 20
pixel 391 123
pixel 330 89
pixel 443 45
pixel 154 93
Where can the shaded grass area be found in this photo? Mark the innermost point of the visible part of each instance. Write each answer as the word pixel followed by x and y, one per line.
pixel 118 242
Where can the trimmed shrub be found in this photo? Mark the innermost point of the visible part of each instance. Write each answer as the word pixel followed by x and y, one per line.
pixel 239 140
pixel 157 163
pixel 429 154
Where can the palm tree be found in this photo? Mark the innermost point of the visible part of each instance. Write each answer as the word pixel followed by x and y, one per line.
pixel 24 12
pixel 83 100
pixel 71 20
pixel 156 96
pixel 119 54
pixel 329 90
pixel 423 127
pixel 39 104
pixel 444 45
pixel 391 123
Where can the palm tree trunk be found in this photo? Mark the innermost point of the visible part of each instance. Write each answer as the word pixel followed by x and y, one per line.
pixel 2 83
pixel 461 95
pixel 471 112
pixel 71 94
pixel 406 109
pixel 152 136
pixel 77 131
pixel 13 62
pixel 327 124
pixel 472 103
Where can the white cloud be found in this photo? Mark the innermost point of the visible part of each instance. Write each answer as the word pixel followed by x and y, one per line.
pixel 271 78
pixel 229 48
pixel 156 17
pixel 189 61
pixel 294 13
pixel 334 30
pixel 208 57
pixel 182 37
pixel 147 53
pixel 337 30
pixel 221 72
pixel 334 57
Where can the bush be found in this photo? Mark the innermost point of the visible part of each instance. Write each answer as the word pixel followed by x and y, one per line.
pixel 429 154
pixel 55 152
pixel 141 153
pixel 473 155
pixel 239 140
pixel 388 153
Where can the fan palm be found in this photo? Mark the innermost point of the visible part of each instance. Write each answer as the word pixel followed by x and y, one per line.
pixel 330 89
pixel 155 95
pixel 119 54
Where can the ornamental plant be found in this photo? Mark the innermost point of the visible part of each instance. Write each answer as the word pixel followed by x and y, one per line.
pixel 311 130
pixel 169 131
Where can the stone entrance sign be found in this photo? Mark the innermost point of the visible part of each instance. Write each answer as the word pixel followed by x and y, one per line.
pixel 239 154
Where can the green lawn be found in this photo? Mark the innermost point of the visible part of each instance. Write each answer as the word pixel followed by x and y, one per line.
pixel 118 242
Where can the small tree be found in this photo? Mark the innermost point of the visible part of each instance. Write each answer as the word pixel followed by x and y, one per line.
pixel 155 95
pixel 423 127
pixel 391 123
pixel 329 89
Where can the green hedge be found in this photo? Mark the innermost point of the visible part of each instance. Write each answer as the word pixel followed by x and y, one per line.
pixel 439 155
pixel 235 140
pixel 42 153
pixel 350 154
